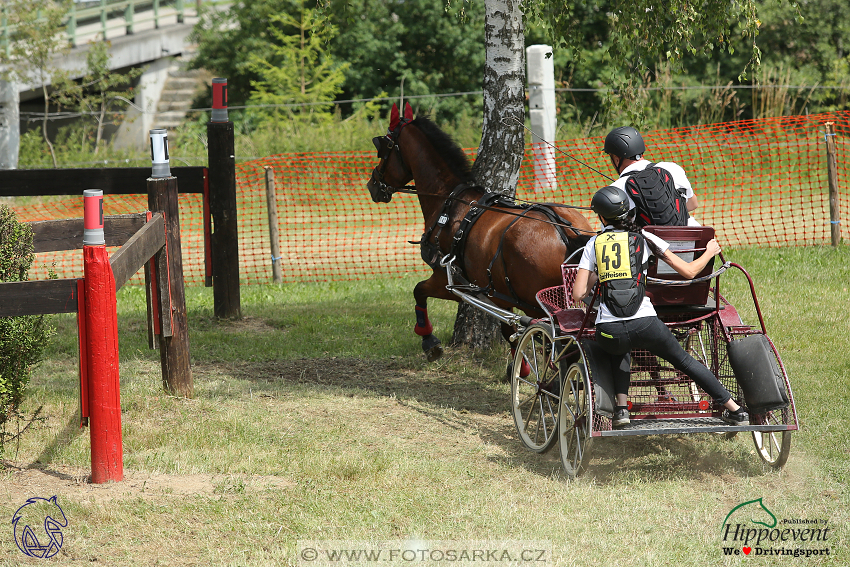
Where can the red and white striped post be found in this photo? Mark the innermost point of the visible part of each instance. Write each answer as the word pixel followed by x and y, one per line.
pixel 107 454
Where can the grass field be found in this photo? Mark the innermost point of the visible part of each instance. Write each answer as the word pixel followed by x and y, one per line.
pixel 317 418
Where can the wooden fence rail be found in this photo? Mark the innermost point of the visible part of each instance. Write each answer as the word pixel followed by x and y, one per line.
pixel 138 238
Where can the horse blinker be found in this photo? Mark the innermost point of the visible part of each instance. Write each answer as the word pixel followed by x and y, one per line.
pixel 384 145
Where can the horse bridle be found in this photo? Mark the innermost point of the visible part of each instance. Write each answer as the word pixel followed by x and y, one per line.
pixel 380 190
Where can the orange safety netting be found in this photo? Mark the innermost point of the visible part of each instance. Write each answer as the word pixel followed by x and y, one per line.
pixel 759 183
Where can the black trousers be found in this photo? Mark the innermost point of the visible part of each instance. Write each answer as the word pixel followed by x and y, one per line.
pixel 619 338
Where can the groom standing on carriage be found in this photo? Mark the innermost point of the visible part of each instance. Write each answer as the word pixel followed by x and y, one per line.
pixel 661 192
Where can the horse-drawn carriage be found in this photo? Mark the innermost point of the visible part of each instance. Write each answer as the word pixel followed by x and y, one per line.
pixel 561 389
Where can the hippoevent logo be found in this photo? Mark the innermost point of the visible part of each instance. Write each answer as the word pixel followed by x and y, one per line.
pixel 37 526
pixel 750 528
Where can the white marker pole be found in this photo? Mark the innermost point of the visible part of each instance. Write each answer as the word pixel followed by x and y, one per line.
pixel 542 115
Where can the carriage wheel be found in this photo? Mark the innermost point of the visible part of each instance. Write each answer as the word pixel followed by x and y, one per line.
pixel 575 420
pixel 535 397
pixel 772 446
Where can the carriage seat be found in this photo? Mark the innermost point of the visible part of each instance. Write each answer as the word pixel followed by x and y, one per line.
pixel 691 240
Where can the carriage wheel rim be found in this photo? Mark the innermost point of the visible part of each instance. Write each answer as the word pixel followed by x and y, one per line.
pixel 573 423
pixel 535 413
pixel 772 446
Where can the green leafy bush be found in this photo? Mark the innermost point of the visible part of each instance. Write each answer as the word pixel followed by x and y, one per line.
pixel 22 339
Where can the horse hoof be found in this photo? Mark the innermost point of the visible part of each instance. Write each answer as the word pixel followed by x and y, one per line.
pixel 524 371
pixel 432 348
pixel 434 353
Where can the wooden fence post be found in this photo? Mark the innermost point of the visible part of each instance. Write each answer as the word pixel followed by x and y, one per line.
pixel 173 346
pixel 274 235
pixel 222 182
pixel 832 174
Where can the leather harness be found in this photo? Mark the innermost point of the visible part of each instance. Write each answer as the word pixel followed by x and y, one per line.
pixel 429 243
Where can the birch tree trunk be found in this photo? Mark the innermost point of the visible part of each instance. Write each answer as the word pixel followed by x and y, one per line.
pixel 502 141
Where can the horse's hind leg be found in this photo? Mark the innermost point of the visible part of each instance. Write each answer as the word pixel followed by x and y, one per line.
pixel 525 369
pixel 435 286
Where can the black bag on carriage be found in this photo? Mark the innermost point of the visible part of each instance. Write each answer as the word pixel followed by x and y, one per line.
pixel 758 374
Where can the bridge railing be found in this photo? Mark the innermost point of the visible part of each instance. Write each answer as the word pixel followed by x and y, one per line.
pixel 105 19
pixel 124 15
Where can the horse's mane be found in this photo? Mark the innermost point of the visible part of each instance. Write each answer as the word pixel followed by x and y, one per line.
pixel 446 148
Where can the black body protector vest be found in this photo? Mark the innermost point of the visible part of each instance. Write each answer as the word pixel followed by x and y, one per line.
pixel 656 198
pixel 620 267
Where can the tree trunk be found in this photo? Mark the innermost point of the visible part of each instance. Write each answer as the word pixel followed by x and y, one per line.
pixel 44 121
pixel 502 141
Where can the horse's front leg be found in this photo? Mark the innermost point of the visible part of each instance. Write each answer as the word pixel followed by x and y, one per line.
pixel 435 287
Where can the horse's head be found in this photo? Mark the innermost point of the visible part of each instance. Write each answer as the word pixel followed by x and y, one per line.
pixel 391 174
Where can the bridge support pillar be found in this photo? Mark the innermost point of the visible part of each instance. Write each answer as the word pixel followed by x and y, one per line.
pixel 10 125
pixel 135 129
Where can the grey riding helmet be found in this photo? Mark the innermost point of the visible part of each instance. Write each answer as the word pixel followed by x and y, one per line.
pixel 610 203
pixel 624 142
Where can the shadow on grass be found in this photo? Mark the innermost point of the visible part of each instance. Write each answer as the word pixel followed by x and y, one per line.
pixel 63 439
pixel 383 378
pixel 479 400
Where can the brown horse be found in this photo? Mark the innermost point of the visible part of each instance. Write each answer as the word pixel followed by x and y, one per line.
pixel 510 253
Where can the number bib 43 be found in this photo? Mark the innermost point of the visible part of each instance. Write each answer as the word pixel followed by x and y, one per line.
pixel 613 260
pixel 620 267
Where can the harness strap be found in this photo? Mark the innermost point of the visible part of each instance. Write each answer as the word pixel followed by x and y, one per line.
pixel 514 298
pixel 430 249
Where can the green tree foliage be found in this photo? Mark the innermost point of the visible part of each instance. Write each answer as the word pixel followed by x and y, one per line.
pixel 299 70
pixel 22 339
pixel 228 39
pixel 433 48
pixel 426 45
pixel 631 53
pixel 95 95
pixel 37 37
pixel 619 44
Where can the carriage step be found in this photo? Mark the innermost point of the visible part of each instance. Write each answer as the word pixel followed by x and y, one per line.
pixel 685 425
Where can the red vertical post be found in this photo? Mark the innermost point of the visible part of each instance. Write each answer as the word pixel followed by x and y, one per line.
pixel 107 454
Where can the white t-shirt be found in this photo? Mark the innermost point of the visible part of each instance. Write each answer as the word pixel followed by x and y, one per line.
pixel 680 180
pixel 588 262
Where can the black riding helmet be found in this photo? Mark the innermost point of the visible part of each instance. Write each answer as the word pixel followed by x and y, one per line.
pixel 610 203
pixel 624 142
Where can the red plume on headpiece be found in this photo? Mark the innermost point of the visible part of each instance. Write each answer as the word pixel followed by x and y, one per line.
pixel 394 120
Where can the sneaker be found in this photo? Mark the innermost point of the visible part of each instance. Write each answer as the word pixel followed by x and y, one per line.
pixel 621 417
pixel 739 417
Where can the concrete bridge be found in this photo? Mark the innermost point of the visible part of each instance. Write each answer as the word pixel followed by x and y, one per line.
pixel 149 33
